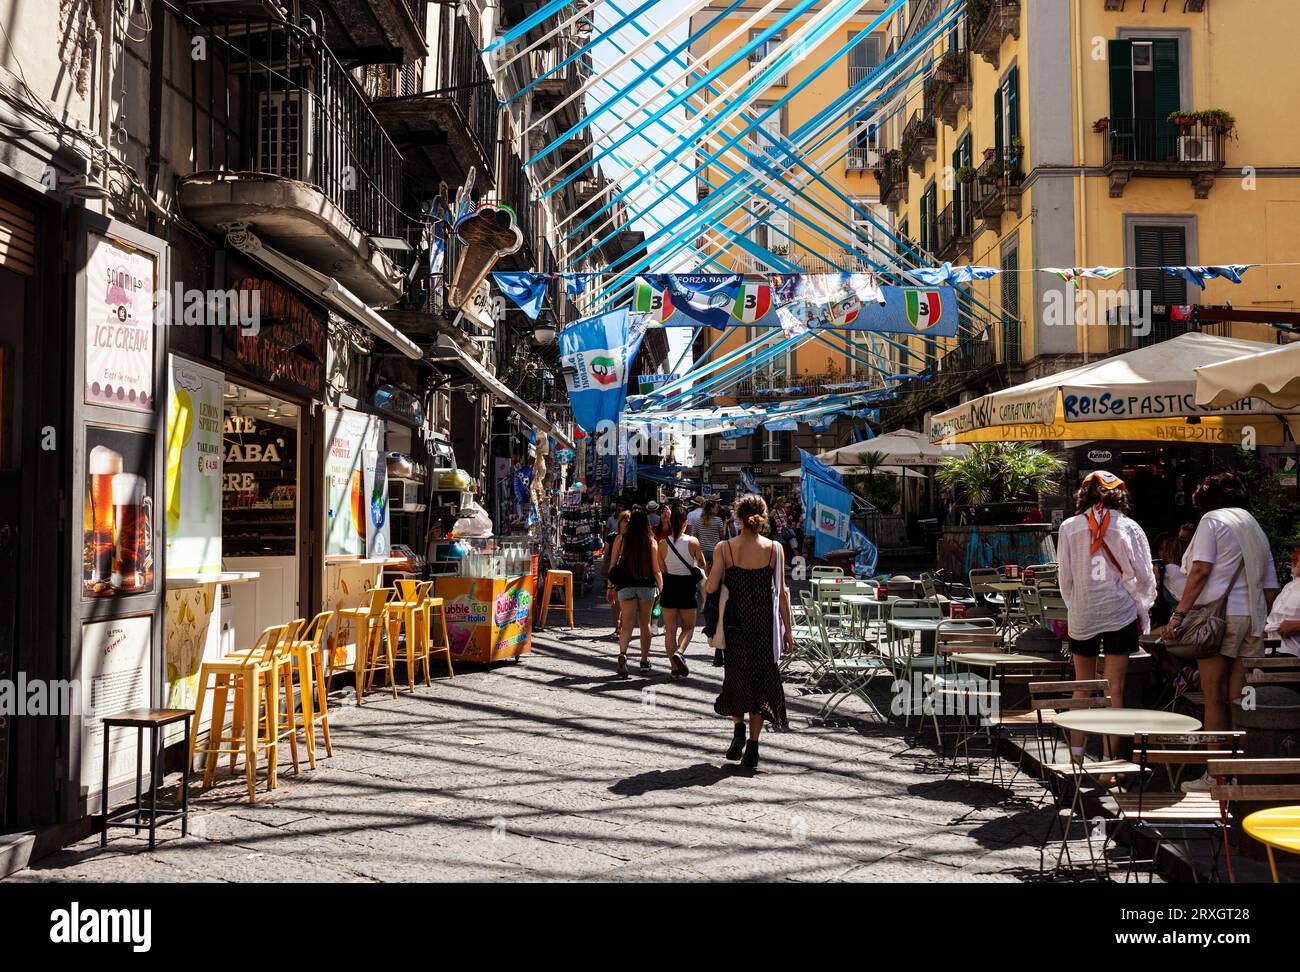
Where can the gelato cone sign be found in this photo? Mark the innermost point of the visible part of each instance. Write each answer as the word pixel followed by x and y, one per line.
pixel 119 326
pixel 487 234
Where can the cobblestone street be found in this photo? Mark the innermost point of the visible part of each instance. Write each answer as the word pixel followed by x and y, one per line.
pixel 551 769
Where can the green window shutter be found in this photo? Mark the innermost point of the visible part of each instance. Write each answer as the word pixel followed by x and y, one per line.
pixel 997 121
pixel 1121 80
pixel 956 183
pixel 1165 57
pixel 1013 101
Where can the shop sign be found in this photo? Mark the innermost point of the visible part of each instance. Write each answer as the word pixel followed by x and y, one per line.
pixel 399 404
pixel 195 422
pixel 1100 455
pixel 356 485
pixel 288 349
pixel 120 289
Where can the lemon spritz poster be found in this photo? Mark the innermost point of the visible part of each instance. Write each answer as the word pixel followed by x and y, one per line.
pixel 194 445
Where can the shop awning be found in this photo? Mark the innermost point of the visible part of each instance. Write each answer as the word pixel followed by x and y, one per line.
pixel 448 350
pixel 1147 395
pixel 1272 376
pixel 326 289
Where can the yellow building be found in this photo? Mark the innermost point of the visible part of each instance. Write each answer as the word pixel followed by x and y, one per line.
pixel 1045 134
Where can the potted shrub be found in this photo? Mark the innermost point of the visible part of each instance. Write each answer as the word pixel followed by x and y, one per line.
pixel 1017 149
pixel 1183 119
pixel 1218 120
pixel 880 488
pixel 989 154
pixel 965 175
pixel 992 172
pixel 999 482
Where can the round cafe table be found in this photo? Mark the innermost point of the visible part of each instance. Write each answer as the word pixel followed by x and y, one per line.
pixel 1275 827
pixel 1125 722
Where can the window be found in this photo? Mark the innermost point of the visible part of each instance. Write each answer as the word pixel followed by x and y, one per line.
pixel 1010 301
pixel 1006 112
pixel 929 219
pixel 961 194
pixel 761 53
pixel 866 143
pixel 778 447
pixel 767 137
pixel 864 57
pixel 770 227
pixel 283 147
pixel 1155 247
pixel 1145 86
pixel 863 230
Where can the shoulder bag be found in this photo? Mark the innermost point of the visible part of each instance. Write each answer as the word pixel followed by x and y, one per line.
pixel 696 574
pixel 1200 635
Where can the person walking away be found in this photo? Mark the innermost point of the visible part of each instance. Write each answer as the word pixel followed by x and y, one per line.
pixel 1283 621
pixel 1228 557
pixel 757 628
pixel 708 531
pixel 1108 582
pixel 683 566
pixel 619 528
pixel 636 579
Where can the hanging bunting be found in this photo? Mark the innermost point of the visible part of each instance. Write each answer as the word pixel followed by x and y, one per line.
pixel 1070 274
pixel 527 290
pixel 1198 275
pixel 596 353
pixel 948 274
pixel 865 562
pixel 575 284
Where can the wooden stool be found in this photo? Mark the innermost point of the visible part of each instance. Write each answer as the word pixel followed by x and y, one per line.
pixel 554 579
pixel 155 720
pixel 368 624
pixel 306 651
pixel 409 607
pixel 248 674
pixel 439 643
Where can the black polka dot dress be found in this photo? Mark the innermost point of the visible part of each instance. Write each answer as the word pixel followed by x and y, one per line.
pixel 751 682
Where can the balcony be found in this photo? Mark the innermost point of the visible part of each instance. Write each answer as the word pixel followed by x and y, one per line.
pixel 892 176
pixel 997 189
pixel 992 22
pixel 845 261
pixel 918 142
pixel 514 190
pixel 950 89
pixel 299 157
pixel 953 231
pixel 861 159
pixel 448 124
pixel 782 386
pixel 1164 150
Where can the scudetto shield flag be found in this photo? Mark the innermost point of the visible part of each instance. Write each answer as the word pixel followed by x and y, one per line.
pixel 596 353
pixel 924 308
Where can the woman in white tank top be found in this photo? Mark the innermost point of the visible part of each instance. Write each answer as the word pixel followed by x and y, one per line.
pixel 679 556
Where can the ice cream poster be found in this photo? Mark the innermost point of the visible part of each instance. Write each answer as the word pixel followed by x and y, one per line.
pixel 120 288
pixel 349 505
pixel 194 453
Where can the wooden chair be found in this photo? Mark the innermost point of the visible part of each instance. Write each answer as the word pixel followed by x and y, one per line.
pixel 308 653
pixel 1046 699
pixel 244 679
pixel 1197 814
pixel 1230 788
pixel 556 579
pixel 1272 670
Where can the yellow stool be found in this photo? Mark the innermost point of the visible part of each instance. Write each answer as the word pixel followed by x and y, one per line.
pixel 307 650
pixel 554 579
pixel 410 607
pixel 272 724
pixel 247 674
pixel 368 631
pixel 438 643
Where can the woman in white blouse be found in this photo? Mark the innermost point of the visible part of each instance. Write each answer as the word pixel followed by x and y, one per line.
pixel 1108 582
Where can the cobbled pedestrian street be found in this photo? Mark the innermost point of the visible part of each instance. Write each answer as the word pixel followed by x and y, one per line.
pixel 551 769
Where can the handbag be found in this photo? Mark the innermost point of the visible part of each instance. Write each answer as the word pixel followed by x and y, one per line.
pixel 1200 635
pixel 696 574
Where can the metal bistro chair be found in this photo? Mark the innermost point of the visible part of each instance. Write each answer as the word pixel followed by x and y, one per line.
pixel 949 692
pixel 1231 788
pixel 909 660
pixel 852 671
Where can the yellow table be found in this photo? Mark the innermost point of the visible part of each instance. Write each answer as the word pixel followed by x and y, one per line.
pixel 1275 827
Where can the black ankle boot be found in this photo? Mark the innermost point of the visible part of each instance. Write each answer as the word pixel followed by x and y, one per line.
pixel 717 658
pixel 737 742
pixel 751 753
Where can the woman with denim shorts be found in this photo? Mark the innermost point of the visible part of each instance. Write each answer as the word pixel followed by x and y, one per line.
pixel 635 582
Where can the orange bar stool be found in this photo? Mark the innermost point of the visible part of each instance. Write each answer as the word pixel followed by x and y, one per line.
pixel 438 642
pixel 242 673
pixel 368 629
pixel 272 724
pixel 409 608
pixel 556 579
pixel 307 651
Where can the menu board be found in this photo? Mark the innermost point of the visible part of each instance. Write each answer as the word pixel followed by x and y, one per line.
pixel 195 420
pixel 114 677
pixel 356 487
pixel 119 325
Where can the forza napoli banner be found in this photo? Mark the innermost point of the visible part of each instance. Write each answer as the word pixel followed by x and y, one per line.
pixel 849 302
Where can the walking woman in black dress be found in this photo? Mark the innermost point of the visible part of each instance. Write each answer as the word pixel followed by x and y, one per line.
pixel 751 568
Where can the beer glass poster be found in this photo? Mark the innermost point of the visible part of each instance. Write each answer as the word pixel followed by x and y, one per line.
pixel 348 482
pixel 117 520
pixel 194 445
pixel 119 326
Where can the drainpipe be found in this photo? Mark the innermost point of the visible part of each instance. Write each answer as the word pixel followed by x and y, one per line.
pixel 1081 205
pixel 105 93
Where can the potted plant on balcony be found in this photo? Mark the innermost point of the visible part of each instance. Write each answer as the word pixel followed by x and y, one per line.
pixel 1183 119
pixel 999 482
pixel 1217 120
pixel 1017 151
pixel 1101 126
pixel 992 171
pixel 780 249
pixel 965 175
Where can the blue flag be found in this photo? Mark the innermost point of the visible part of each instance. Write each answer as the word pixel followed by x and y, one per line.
pixel 865 562
pixel 596 353
pixel 700 298
pixel 576 283
pixel 827 505
pixel 526 289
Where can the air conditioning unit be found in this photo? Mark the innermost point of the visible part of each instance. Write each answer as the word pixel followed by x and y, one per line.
pixel 863 159
pixel 1196 148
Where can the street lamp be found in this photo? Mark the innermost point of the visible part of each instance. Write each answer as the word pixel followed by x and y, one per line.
pixel 544 328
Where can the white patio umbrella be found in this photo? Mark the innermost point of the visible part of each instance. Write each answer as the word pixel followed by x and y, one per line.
pixel 902 448
pixel 1272 376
